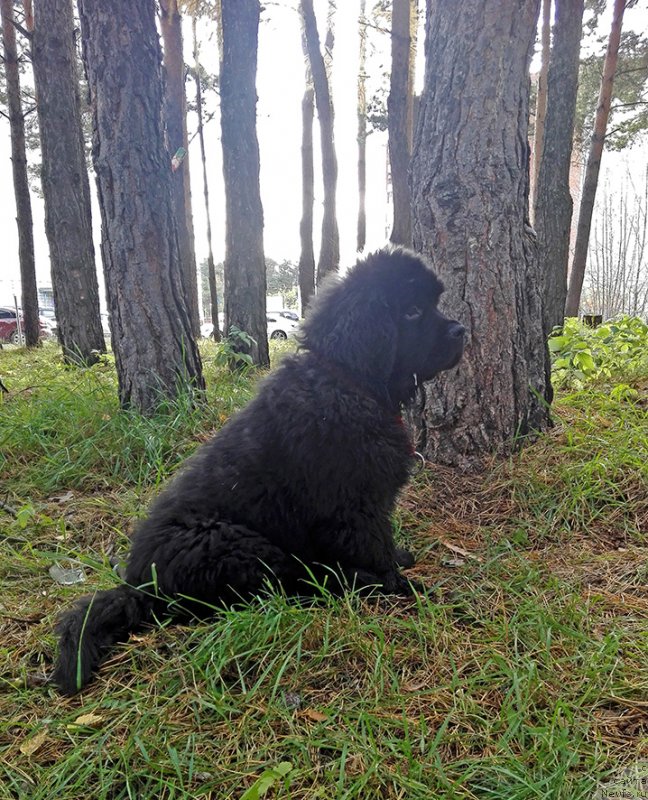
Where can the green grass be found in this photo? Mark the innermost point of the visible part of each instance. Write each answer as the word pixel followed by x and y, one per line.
pixel 523 674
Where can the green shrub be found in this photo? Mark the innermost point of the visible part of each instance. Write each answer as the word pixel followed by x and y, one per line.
pixel 581 354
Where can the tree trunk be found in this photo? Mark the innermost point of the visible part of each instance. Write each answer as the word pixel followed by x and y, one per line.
pixel 553 212
pixel 245 273
pixel 329 257
pixel 590 182
pixel 155 352
pixel 541 100
pixel 400 104
pixel 176 130
pixel 66 188
pixel 211 272
pixel 470 183
pixel 29 292
pixel 307 256
pixel 361 236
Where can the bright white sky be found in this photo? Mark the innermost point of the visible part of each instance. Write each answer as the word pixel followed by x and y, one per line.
pixel 280 84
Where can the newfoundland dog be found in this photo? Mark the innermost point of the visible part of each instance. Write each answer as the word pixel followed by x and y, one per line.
pixel 297 489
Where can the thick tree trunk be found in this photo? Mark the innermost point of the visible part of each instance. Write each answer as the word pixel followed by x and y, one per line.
pixel 541 100
pixel 553 212
pixel 245 272
pixel 361 236
pixel 470 183
pixel 155 352
pixel 329 257
pixel 307 255
pixel 211 272
pixel 176 129
pixel 590 182
pixel 29 292
pixel 66 188
pixel 400 104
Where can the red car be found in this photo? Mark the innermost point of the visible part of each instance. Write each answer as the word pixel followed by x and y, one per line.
pixel 9 326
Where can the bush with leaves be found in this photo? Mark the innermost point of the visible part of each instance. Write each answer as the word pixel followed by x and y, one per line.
pixel 581 354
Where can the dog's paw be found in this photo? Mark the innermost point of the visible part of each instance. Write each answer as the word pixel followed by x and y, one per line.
pixel 404 558
pixel 401 585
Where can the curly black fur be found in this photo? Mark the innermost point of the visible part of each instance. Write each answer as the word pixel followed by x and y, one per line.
pixel 301 483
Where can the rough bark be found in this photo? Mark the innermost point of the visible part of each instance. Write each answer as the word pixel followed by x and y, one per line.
pixel 329 257
pixel 176 129
pixel 29 292
pixel 66 189
pixel 554 205
pixel 361 235
pixel 593 166
pixel 470 186
pixel 400 104
pixel 541 100
pixel 245 272
pixel 211 272
pixel 307 255
pixel 155 352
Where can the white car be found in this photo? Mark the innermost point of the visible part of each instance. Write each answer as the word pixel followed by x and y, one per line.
pixel 279 327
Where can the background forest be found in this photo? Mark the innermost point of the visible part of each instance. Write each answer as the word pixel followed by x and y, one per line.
pixel 171 165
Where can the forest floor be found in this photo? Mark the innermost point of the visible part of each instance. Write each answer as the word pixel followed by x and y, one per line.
pixel 522 674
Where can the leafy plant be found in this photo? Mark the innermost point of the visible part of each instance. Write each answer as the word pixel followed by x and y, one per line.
pixel 233 349
pixel 581 354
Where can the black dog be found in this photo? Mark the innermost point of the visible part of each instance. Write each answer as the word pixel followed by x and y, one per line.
pixel 298 487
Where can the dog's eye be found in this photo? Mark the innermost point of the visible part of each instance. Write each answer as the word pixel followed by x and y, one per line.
pixel 413 313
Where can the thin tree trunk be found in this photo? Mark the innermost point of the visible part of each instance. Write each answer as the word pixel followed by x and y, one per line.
pixel 211 272
pixel 329 256
pixel 590 182
pixel 307 255
pixel 176 129
pixel 245 273
pixel 400 104
pixel 155 352
pixel 29 292
pixel 541 100
pixel 66 189
pixel 554 204
pixel 361 237
pixel 470 215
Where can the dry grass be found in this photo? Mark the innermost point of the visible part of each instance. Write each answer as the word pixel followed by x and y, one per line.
pixel 522 674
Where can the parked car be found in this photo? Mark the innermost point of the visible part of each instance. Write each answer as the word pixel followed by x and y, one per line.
pixel 9 326
pixel 48 316
pixel 280 327
pixel 288 314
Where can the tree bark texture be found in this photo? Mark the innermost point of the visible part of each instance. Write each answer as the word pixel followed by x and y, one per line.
pixel 66 188
pixel 307 255
pixel 361 235
pixel 593 166
pixel 29 292
pixel 400 103
pixel 541 100
pixel 176 130
pixel 554 204
pixel 155 352
pixel 329 257
pixel 470 183
pixel 211 271
pixel 245 272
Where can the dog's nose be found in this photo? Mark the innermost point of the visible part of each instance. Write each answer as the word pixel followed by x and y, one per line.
pixel 456 330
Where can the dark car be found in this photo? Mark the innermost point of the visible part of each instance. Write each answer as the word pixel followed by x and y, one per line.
pixel 9 326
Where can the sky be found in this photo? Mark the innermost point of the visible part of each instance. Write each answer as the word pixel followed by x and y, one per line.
pixel 280 85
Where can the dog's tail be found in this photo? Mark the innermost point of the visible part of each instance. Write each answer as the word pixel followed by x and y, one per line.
pixel 90 629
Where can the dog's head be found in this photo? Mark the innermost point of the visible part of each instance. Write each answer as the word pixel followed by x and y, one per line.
pixel 382 324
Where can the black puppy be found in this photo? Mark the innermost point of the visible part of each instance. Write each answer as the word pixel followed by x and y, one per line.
pixel 299 486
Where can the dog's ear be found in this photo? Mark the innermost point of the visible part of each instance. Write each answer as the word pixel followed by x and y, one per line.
pixel 352 324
